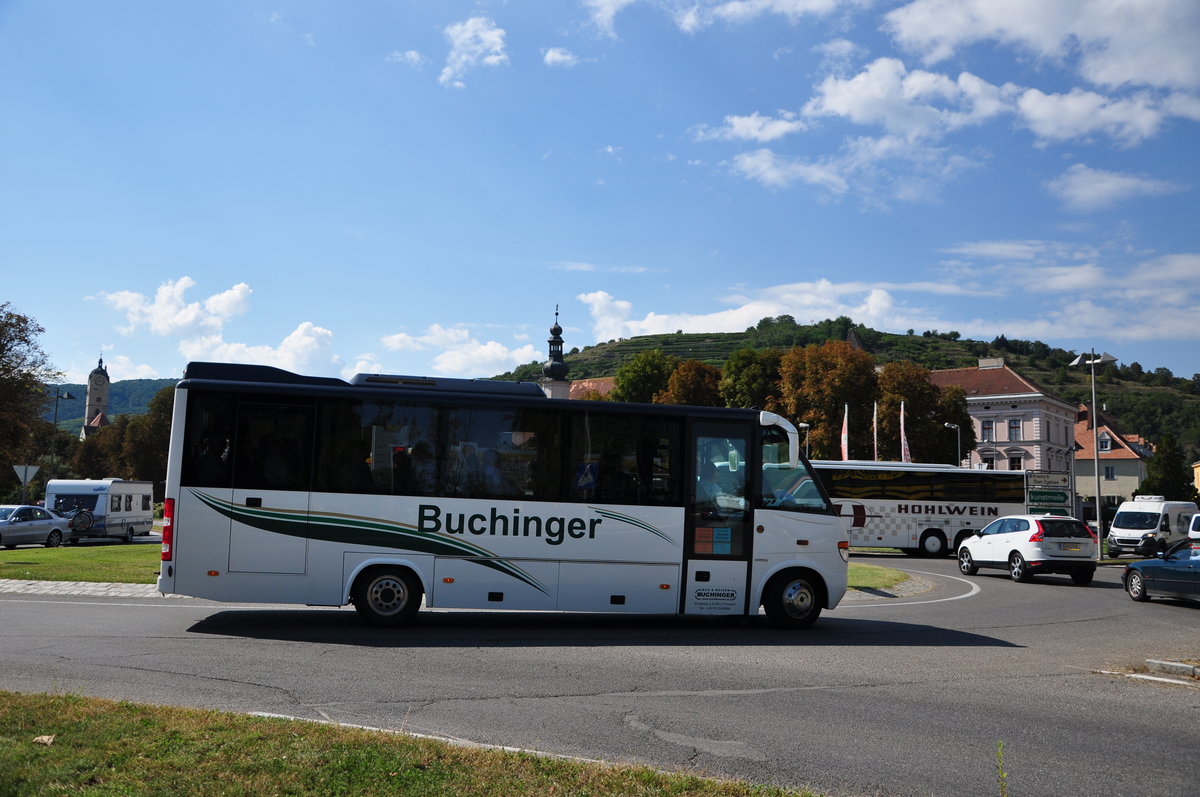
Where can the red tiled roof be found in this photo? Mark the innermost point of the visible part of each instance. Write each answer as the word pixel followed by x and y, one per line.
pixel 1001 381
pixel 601 384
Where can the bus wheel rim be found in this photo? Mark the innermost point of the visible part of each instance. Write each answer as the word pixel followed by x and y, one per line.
pixel 797 599
pixel 388 595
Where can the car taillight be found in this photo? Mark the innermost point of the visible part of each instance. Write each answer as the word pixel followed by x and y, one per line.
pixel 168 529
pixel 1037 535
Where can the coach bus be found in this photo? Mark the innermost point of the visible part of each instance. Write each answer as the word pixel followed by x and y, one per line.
pixel 390 492
pixel 919 508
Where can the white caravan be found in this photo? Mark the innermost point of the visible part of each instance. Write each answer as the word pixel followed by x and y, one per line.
pixel 118 508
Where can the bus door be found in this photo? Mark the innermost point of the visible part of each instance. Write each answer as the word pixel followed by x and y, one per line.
pixel 717 542
pixel 271 479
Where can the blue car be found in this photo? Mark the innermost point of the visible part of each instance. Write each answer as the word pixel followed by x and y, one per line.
pixel 1175 573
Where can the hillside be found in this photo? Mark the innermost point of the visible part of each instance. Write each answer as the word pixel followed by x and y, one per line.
pixel 1137 399
pixel 128 397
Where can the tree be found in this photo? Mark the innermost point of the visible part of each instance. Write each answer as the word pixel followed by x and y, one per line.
pixel 644 376
pixel 1167 472
pixel 24 372
pixel 818 383
pixel 927 410
pixel 692 383
pixel 751 379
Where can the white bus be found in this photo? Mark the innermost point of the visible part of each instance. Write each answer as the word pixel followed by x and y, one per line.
pixel 919 508
pixel 383 491
pixel 117 508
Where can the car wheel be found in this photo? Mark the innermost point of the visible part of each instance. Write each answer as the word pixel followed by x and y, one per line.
pixel 933 544
pixel 1017 569
pixel 387 597
pixel 792 600
pixel 1136 586
pixel 54 540
pixel 966 565
pixel 1082 577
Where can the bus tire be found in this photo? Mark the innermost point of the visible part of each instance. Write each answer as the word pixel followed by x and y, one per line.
pixel 793 599
pixel 933 544
pixel 386 596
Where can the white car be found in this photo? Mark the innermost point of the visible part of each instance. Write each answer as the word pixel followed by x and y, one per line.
pixel 1026 545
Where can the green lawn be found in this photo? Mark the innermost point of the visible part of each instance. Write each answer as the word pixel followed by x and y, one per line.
pixel 64 744
pixel 139 563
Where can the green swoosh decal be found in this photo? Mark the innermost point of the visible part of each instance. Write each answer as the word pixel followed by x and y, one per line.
pixel 641 524
pixel 361 531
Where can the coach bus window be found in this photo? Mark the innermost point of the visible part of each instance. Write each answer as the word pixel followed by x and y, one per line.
pixel 208 439
pixel 623 459
pixel 501 452
pixel 273 446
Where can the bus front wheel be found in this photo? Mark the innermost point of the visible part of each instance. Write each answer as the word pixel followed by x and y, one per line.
pixel 793 599
pixel 386 596
pixel 933 544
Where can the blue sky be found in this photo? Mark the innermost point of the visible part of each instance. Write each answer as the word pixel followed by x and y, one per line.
pixel 413 186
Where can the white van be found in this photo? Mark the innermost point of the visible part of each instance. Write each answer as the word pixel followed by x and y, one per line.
pixel 118 508
pixel 1149 524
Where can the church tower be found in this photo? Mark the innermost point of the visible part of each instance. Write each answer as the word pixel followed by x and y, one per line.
pixel 555 384
pixel 95 414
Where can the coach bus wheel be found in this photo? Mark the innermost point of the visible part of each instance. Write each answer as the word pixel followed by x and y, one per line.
pixel 933 543
pixel 386 597
pixel 792 600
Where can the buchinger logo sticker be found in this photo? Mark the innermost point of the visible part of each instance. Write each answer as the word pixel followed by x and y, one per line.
pixel 715 598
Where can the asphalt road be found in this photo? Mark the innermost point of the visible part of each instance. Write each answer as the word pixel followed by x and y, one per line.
pixel 903 695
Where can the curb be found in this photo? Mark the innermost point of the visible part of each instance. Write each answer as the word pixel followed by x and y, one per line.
pixel 12 586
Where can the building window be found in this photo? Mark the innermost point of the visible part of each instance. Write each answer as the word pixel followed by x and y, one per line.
pixel 989 463
pixel 1016 463
pixel 1105 443
pixel 1110 473
pixel 987 430
pixel 1014 429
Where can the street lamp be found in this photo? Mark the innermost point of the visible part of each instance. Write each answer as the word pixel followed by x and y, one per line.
pixel 805 427
pixel 958 435
pixel 1093 361
pixel 54 432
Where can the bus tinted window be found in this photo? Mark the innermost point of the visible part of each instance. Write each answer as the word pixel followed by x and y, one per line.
pixel 624 459
pixel 208 440
pixel 273 446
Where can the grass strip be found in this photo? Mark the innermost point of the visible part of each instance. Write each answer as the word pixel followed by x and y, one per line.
pixel 100 747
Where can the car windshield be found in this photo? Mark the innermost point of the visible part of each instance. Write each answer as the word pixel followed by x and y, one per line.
pixel 1138 521
pixel 1064 528
pixel 5 511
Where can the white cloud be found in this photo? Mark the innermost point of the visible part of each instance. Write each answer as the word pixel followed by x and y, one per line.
pixel 473 42
pixel 307 350
pixel 168 314
pixel 911 104
pixel 559 56
pixel 754 127
pixel 774 171
pixel 1114 42
pixel 409 57
pixel 1079 113
pixel 691 18
pixel 1085 189
pixel 461 354
pixel 120 367
pixel 604 13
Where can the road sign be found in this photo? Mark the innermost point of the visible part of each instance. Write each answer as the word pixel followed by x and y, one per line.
pixel 25 473
pixel 1048 496
pixel 1046 478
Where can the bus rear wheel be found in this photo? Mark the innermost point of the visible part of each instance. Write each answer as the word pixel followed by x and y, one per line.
pixel 933 544
pixel 793 599
pixel 387 597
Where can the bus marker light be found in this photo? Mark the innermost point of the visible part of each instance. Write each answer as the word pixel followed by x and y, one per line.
pixel 760 529
pixel 664 586
pixel 447 581
pixel 214 572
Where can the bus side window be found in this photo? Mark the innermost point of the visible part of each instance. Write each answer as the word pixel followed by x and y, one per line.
pixel 274 447
pixel 208 440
